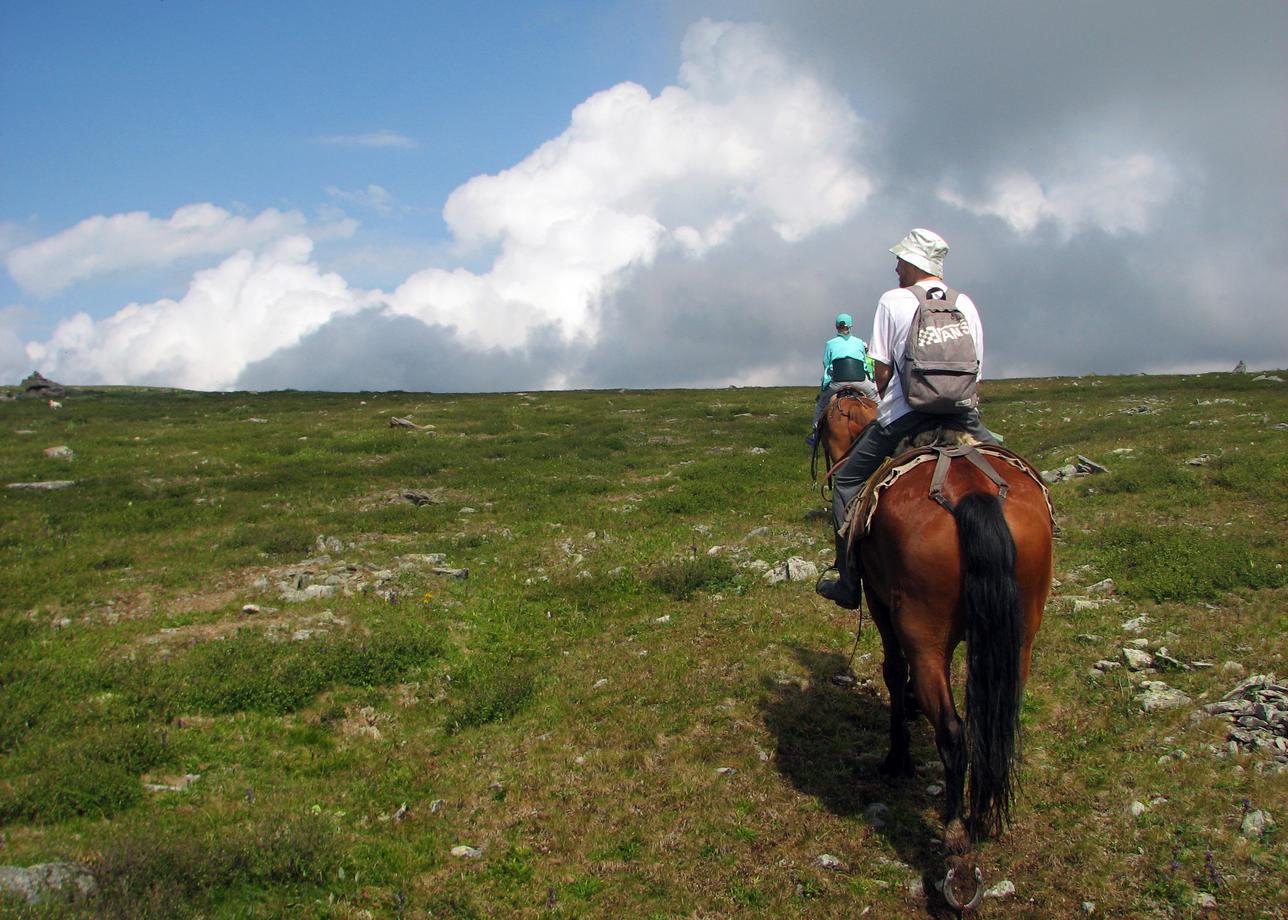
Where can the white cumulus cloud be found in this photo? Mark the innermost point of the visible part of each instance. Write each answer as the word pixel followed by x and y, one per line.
pixel 1114 195
pixel 238 312
pixel 743 136
pixel 106 244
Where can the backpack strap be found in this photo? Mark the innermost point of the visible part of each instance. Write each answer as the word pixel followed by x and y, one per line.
pixel 922 295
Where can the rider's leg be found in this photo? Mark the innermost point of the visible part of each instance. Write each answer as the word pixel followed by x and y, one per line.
pixel 973 426
pixel 871 448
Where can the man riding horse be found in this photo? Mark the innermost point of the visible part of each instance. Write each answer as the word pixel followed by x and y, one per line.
pixel 919 264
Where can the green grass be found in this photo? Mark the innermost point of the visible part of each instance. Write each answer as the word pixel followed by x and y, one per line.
pixel 566 707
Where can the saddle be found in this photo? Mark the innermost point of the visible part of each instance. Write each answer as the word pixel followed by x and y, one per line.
pixel 859 514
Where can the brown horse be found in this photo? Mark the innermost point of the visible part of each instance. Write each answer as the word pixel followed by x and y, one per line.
pixel 974 567
pixel 843 420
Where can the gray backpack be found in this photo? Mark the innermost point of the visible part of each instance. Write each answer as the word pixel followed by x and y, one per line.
pixel 940 370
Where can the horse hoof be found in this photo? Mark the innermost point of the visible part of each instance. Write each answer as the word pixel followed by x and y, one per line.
pixel 951 897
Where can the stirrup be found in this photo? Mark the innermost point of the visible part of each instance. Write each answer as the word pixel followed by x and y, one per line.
pixel 837 591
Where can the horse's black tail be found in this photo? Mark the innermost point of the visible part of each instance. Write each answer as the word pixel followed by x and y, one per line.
pixel 991 604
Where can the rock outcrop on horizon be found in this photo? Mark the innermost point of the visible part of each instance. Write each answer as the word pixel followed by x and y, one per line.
pixel 42 387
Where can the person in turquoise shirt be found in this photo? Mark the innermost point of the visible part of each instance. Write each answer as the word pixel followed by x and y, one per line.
pixel 845 364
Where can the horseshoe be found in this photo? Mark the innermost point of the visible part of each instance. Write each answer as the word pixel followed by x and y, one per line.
pixel 952 898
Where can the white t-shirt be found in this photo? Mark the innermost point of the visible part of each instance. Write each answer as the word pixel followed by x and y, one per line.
pixel 895 311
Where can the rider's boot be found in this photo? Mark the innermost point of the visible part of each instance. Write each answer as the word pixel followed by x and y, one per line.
pixel 844 589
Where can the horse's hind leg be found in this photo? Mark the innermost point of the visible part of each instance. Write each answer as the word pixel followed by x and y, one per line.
pixel 894 669
pixel 931 681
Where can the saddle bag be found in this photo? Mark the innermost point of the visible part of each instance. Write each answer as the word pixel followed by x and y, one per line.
pixel 940 367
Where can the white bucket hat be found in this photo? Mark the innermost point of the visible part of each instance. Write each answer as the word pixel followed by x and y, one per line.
pixel 923 248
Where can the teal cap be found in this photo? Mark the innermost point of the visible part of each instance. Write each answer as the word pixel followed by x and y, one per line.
pixel 843 319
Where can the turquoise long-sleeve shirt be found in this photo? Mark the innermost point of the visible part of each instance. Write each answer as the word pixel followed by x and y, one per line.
pixel 844 346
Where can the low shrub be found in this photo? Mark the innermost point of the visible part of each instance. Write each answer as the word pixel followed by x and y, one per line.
pixel 490 693
pixel 683 578
pixel 1174 563
pixel 252 672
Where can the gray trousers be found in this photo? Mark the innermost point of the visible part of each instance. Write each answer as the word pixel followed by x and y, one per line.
pixel 879 441
pixel 866 387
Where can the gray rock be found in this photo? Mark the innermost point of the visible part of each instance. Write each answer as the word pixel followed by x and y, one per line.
pixel 1203 901
pixel 1136 625
pixel 46 486
pixel 1003 889
pixel 59 881
pixel 756 532
pixel 1255 824
pixel 1106 665
pixel 466 852
pixel 1105 586
pixel 1061 474
pixel 1087 466
pixel 309 593
pixel 1088 907
pixel 1158 696
pixel 1165 662
pixel 1137 809
pixel 828 861
pixel 61 452
pixel 1137 659
pixel 1272 378
pixel 799 569
pixel 794 569
pixel 325 544
pixel 876 813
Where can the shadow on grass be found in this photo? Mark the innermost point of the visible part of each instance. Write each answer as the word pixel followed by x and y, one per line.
pixel 830 742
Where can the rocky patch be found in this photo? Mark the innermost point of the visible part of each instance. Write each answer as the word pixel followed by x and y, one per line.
pixel 64 882
pixel 1256 711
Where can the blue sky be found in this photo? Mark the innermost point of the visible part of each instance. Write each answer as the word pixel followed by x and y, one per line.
pixel 112 108
pixel 222 195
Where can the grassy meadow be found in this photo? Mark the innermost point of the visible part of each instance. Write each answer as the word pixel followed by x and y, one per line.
pixel 241 674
